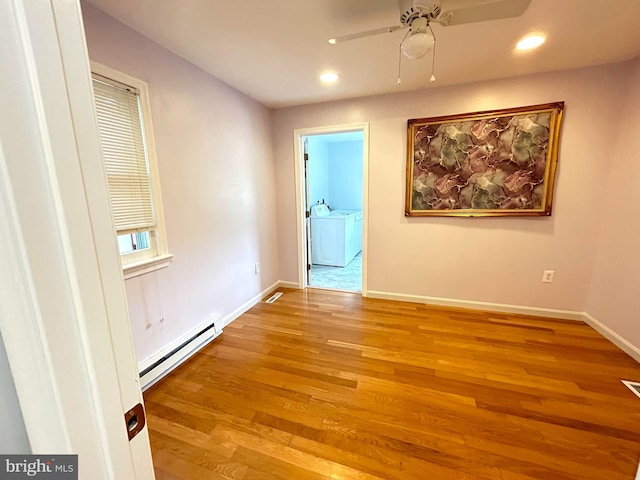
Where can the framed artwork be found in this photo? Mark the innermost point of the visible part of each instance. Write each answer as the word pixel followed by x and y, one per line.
pixel 494 163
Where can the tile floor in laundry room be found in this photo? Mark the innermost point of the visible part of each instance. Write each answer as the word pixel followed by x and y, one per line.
pixel 347 278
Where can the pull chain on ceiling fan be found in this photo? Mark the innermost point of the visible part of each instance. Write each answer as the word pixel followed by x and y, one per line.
pixel 417 16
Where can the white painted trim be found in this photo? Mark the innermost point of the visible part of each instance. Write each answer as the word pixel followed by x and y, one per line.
pixel 365 213
pixel 160 250
pixel 192 348
pixel 180 357
pixel 606 332
pixel 300 187
pixel 495 307
pixel 613 337
pixel 146 266
pixel 630 385
pixel 32 369
pixel 248 304
pixel 300 212
pixel 64 300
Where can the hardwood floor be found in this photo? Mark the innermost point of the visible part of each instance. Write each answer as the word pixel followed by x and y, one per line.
pixel 328 385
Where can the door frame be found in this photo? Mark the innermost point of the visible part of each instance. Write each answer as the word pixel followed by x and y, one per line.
pixel 298 135
pixel 63 315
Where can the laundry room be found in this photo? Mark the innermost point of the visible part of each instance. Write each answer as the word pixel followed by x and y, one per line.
pixel 335 193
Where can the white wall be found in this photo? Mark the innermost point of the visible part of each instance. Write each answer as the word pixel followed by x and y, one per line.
pixel 217 179
pixel 318 170
pixel 13 439
pixel 615 284
pixel 335 171
pixel 345 175
pixel 498 260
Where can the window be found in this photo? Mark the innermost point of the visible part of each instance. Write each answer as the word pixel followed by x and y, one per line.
pixel 124 123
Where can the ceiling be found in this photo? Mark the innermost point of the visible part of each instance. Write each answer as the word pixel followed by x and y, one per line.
pixel 274 50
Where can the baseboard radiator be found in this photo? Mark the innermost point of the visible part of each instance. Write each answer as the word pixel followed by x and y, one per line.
pixel 165 364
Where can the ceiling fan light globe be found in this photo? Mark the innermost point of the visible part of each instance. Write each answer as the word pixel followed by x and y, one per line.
pixel 417 45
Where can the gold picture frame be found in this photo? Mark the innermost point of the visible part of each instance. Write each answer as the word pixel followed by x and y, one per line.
pixel 491 163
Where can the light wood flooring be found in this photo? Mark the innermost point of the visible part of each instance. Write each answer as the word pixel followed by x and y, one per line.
pixel 329 385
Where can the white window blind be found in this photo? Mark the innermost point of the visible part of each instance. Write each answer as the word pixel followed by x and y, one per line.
pixel 123 149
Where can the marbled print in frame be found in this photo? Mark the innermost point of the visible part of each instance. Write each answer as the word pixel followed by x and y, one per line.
pixel 493 163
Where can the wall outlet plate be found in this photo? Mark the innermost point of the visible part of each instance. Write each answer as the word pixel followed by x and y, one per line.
pixel 547 276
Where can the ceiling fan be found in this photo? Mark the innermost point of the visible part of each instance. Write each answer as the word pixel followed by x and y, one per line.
pixel 418 15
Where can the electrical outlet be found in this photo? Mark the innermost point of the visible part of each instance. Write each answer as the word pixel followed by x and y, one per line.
pixel 547 276
pixel 256 268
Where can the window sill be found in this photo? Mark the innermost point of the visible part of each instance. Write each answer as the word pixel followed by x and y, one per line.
pixel 146 266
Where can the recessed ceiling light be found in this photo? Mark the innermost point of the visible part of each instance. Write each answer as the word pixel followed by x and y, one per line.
pixel 332 41
pixel 530 41
pixel 329 77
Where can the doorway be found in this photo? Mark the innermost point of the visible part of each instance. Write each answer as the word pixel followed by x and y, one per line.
pixel 332 200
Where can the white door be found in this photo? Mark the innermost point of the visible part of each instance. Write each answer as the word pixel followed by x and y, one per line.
pixel 307 208
pixel 63 312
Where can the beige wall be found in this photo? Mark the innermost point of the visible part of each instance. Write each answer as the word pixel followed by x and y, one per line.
pixel 218 188
pixel 498 260
pixel 615 284
pixel 220 195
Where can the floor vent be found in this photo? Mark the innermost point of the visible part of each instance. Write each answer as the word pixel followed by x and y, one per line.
pixel 633 386
pixel 273 297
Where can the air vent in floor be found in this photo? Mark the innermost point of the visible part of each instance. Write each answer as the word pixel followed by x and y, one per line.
pixel 633 386
pixel 273 297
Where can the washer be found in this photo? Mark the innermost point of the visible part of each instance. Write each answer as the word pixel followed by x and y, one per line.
pixel 336 236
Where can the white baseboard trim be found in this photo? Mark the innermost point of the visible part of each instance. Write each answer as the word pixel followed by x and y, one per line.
pixel 285 284
pixel 248 304
pixel 190 349
pixel 494 307
pixel 606 332
pixel 613 337
pixel 193 347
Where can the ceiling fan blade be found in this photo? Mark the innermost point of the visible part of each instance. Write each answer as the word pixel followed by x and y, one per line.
pixel 368 33
pixel 458 12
